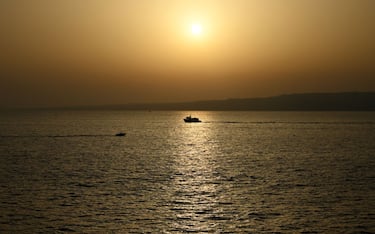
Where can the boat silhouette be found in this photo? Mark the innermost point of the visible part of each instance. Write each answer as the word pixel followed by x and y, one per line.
pixel 190 119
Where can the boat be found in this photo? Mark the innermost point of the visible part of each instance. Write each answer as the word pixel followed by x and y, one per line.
pixel 120 134
pixel 190 119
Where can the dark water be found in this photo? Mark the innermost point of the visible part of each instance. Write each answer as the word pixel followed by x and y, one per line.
pixel 236 172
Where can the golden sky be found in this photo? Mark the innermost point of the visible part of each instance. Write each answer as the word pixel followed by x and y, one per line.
pixel 75 52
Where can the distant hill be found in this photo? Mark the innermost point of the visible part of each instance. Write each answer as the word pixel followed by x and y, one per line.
pixel 349 101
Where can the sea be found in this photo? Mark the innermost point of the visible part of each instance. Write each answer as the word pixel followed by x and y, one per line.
pixel 65 171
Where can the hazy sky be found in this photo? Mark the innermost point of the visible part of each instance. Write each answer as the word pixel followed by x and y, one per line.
pixel 75 52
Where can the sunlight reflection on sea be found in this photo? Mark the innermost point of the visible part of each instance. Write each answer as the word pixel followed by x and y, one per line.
pixel 233 172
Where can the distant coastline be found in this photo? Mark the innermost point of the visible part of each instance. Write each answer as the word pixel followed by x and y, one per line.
pixel 345 101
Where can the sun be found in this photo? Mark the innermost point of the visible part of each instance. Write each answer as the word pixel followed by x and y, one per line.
pixel 196 29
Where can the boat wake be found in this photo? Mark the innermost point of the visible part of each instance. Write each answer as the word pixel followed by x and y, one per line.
pixel 54 136
pixel 296 122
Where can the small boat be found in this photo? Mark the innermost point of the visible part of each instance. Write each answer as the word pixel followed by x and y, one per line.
pixel 190 119
pixel 120 134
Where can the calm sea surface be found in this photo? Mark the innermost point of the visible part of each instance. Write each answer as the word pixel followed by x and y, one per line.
pixel 236 172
